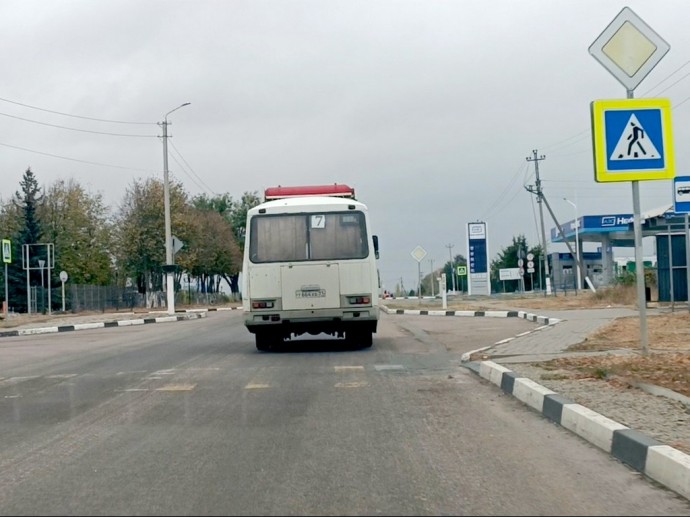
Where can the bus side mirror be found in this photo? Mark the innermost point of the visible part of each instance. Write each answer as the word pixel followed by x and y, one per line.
pixel 376 245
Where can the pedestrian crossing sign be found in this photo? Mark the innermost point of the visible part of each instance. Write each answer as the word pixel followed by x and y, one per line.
pixel 7 251
pixel 632 140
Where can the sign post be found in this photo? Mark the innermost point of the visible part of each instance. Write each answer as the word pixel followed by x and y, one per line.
pixel 418 254
pixel 63 279
pixel 6 258
pixel 681 205
pixel 629 49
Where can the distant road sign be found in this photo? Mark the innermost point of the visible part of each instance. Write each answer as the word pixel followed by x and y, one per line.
pixel 177 244
pixel 681 194
pixel 418 253
pixel 6 251
pixel 511 273
pixel 462 270
pixel 633 140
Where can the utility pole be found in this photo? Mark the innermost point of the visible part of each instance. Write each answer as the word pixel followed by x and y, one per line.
pixel 540 196
pixel 452 268
pixel 169 267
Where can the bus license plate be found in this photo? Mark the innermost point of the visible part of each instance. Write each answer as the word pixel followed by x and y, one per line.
pixel 317 293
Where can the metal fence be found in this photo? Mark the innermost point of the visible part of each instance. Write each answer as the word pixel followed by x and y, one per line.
pixel 78 298
pixel 101 298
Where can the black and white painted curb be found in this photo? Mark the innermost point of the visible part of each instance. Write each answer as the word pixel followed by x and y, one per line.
pixel 545 321
pixel 101 324
pixel 660 462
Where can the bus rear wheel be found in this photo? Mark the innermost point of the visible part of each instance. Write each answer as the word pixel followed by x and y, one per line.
pixel 360 338
pixel 263 341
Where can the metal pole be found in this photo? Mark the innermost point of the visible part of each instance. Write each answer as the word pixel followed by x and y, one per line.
pixel 51 264
pixel 431 261
pixel 577 246
pixel 639 269
pixel 687 257
pixel 670 266
pixel 170 275
pixel 452 268
pixel 7 299
pixel 42 263
pixel 419 279
pixel 639 260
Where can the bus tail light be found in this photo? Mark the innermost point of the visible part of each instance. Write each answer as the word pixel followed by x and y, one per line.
pixel 359 300
pixel 263 304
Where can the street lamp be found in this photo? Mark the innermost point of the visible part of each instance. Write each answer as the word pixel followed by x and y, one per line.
pixel 169 268
pixel 41 264
pixel 577 244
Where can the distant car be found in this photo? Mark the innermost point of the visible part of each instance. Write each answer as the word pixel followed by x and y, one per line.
pixel 683 190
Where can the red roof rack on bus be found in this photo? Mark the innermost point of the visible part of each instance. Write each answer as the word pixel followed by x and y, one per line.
pixel 334 190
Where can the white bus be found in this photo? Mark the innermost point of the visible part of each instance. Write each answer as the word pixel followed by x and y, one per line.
pixel 310 267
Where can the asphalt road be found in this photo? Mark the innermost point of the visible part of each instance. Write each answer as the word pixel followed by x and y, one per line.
pixel 187 418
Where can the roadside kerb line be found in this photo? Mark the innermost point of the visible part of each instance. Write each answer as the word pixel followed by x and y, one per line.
pixel 100 324
pixel 662 463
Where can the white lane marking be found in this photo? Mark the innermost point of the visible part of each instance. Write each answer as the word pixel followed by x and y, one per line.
pixel 348 368
pixel 256 386
pixel 380 367
pixel 177 387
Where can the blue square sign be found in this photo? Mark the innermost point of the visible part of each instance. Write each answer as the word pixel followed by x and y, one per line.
pixel 681 194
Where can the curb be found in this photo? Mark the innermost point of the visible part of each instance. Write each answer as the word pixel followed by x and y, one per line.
pixel 662 463
pixel 100 324
pixel 545 320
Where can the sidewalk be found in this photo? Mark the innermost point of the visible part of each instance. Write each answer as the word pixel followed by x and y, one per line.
pixel 565 328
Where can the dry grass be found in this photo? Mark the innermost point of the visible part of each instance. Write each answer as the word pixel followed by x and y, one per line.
pixel 666 364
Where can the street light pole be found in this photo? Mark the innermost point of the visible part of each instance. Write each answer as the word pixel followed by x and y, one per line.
pixel 452 266
pixel 169 270
pixel 577 244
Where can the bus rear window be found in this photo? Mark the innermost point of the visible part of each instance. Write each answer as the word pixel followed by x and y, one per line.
pixel 313 236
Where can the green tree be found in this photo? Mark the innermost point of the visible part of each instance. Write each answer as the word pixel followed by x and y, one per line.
pixel 77 223
pixel 235 213
pixel 216 254
pixel 508 258
pixel 450 269
pixel 140 249
pixel 24 227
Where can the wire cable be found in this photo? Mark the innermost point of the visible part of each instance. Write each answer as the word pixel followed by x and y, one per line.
pixel 77 160
pixel 74 116
pixel 76 129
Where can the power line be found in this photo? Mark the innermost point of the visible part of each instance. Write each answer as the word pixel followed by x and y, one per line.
pixel 75 129
pixel 74 116
pixel 209 189
pixel 77 160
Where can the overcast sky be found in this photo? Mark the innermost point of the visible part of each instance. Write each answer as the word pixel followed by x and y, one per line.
pixel 427 108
